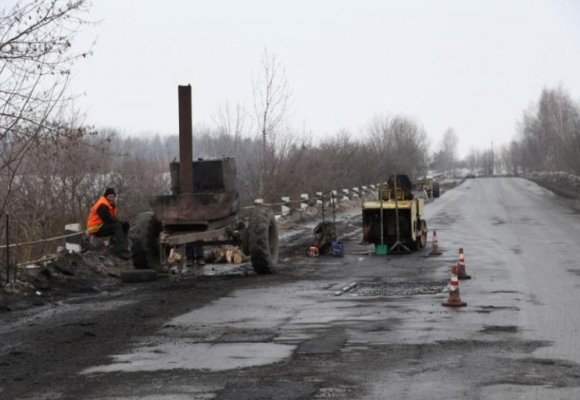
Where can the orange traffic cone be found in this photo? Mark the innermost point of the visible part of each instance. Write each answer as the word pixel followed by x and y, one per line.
pixel 462 274
pixel 454 300
pixel 435 251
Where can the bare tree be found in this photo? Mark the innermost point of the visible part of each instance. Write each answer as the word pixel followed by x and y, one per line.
pixel 445 159
pixel 233 123
pixel 548 137
pixel 56 185
pixel 36 56
pixel 503 161
pixel 271 105
pixel 399 144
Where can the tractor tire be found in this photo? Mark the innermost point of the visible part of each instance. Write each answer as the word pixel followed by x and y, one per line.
pixel 263 240
pixel 144 239
pixel 435 190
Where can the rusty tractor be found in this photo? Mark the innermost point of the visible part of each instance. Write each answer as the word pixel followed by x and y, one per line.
pixel 203 209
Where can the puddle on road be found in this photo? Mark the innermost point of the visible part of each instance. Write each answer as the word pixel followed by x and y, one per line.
pixel 499 329
pixel 218 270
pixel 400 288
pixel 489 309
pixel 186 354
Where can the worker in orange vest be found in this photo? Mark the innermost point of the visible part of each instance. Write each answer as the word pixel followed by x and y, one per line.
pixel 103 221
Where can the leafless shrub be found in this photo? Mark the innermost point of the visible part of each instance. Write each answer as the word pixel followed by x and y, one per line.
pixel 36 56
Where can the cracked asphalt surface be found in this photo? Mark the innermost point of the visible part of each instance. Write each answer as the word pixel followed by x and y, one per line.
pixel 358 327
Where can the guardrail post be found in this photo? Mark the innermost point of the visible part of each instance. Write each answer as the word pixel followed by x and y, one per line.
pixel 303 201
pixel 73 243
pixel 355 193
pixel 319 198
pixel 285 205
pixel 345 195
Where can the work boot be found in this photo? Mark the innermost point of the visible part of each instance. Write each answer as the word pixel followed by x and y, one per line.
pixel 200 262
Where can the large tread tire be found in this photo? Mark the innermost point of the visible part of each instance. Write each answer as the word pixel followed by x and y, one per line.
pixel 144 239
pixel 436 191
pixel 263 240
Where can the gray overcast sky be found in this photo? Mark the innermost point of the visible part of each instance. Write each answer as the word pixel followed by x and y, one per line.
pixel 470 65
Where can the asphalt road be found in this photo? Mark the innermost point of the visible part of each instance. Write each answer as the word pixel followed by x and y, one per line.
pixel 310 332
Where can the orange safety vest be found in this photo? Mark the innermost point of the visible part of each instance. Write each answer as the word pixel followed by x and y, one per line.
pixel 95 222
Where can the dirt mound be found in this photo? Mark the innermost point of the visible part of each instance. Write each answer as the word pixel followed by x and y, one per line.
pixel 62 275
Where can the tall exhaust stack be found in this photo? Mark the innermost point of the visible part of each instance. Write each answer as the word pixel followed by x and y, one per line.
pixel 185 140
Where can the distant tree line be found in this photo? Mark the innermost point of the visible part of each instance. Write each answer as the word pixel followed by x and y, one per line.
pixel 548 137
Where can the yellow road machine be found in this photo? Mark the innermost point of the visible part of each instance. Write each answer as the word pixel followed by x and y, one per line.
pixel 395 222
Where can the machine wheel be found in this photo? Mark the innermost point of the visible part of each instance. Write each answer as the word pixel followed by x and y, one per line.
pixel 424 234
pixel 435 190
pixel 263 240
pixel 420 241
pixel 144 238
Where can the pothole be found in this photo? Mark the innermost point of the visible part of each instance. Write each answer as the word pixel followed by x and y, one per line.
pixel 496 328
pixel 397 288
pixel 489 309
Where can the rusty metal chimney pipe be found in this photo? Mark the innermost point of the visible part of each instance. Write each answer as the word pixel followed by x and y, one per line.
pixel 185 140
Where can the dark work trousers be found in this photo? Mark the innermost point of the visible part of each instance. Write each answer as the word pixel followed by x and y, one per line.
pixel 118 231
